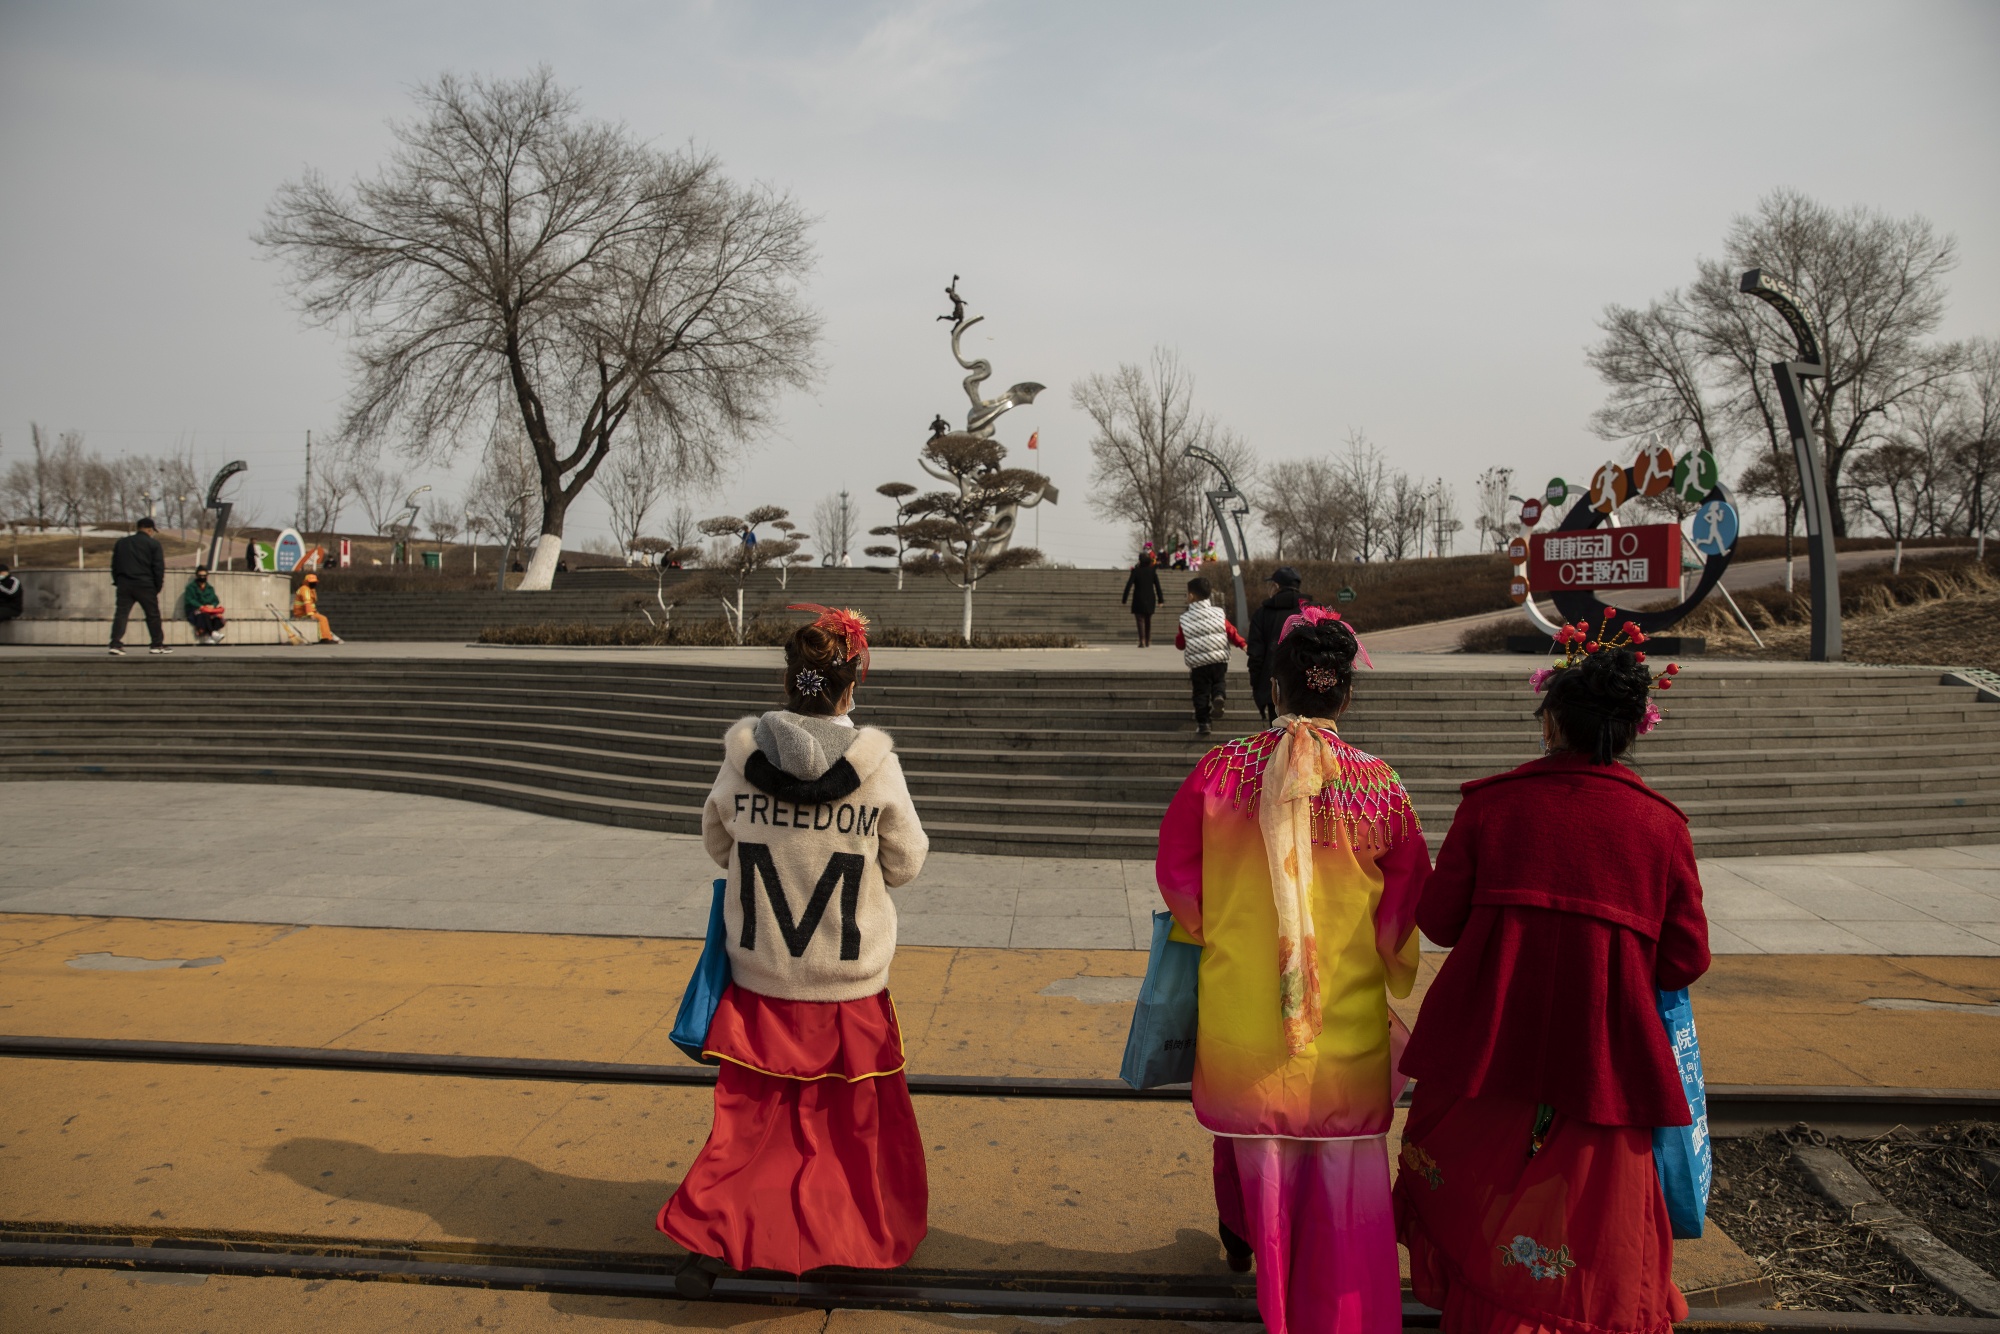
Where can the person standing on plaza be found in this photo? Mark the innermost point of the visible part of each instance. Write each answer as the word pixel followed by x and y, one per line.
pixel 10 592
pixel 1265 623
pixel 203 609
pixel 1204 639
pixel 305 605
pixel 138 573
pixel 1295 860
pixel 814 1157
pixel 1142 587
pixel 1568 895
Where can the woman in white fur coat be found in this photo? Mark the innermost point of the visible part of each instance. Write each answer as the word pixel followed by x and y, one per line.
pixel 815 1157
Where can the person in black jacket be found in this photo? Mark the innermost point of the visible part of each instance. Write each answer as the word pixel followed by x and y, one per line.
pixel 138 572
pixel 10 593
pixel 1142 586
pixel 1265 624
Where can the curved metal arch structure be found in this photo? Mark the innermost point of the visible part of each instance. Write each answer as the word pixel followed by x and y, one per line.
pixel 1229 506
pixel 214 501
pixel 1808 364
pixel 1586 606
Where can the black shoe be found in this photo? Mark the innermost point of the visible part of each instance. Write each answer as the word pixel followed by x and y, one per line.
pixel 695 1279
pixel 1235 1250
pixel 1201 729
pixel 1219 707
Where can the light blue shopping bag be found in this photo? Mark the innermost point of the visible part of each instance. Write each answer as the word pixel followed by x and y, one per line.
pixel 705 988
pixel 1681 1154
pixel 1160 1048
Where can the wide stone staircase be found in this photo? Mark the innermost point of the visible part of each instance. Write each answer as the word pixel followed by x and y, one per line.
pixel 1069 763
pixel 1082 603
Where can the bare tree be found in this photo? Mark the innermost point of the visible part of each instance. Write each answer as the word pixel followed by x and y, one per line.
pixel 1444 516
pixel 501 495
pixel 331 487
pixel 1367 480
pixel 616 292
pixel 1403 518
pixel 1493 487
pixel 950 530
pixel 1145 421
pixel 1655 364
pixel 29 490
pixel 1775 476
pixel 1977 453
pixel 735 550
pixel 1308 505
pixel 682 530
pixel 1888 483
pixel 632 482
pixel 380 490
pixel 837 521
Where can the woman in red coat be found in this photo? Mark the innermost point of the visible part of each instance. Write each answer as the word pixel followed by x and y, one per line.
pixel 1567 890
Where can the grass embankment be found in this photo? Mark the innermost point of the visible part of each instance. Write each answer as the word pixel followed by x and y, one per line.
pixel 760 632
pixel 1387 594
pixel 1943 610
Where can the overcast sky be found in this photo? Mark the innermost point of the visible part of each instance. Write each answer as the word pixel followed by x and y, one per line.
pixel 1398 218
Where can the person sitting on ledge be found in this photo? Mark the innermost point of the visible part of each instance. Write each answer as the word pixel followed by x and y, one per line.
pixel 305 603
pixel 10 593
pixel 203 609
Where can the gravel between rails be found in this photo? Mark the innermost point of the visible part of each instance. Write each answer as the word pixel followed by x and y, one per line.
pixel 1816 1260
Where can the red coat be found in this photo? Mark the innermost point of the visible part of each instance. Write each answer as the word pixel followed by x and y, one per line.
pixel 1569 894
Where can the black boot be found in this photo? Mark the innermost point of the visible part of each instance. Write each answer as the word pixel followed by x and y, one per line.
pixel 1234 1249
pixel 695 1279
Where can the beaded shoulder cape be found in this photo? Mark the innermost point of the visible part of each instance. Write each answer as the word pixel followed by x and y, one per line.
pixel 1365 807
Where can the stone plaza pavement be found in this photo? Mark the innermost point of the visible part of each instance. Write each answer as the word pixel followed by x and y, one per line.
pixel 339 857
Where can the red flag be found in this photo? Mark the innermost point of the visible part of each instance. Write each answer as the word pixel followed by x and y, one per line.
pixel 1033 439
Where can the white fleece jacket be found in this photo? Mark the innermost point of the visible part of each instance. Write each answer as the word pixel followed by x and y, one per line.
pixel 811 858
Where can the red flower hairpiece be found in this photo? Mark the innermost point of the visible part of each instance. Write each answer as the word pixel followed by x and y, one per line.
pixel 1578 642
pixel 849 625
pixel 1310 615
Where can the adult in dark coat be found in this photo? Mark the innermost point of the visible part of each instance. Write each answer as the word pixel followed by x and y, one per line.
pixel 1142 586
pixel 138 573
pixel 1568 892
pixel 1265 624
pixel 10 593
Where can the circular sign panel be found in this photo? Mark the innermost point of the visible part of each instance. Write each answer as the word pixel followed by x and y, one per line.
pixel 1517 550
pixel 1714 528
pixel 1531 512
pixel 1518 591
pixel 1609 488
pixel 1556 492
pixel 1696 475
pixel 1653 470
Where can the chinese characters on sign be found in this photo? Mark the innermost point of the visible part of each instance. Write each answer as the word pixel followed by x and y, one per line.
pixel 1604 558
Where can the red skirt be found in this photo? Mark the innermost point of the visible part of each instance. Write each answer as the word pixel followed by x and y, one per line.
pixel 1574 1240
pixel 814 1158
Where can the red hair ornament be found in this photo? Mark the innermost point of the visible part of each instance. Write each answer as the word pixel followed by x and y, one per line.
pixel 850 627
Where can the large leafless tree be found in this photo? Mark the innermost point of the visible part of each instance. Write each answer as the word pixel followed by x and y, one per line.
pixel 1145 420
pixel 619 295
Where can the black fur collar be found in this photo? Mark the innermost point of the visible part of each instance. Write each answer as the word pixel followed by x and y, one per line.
pixel 835 783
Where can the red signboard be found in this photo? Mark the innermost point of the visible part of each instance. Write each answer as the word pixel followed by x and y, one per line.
pixel 1602 558
pixel 1531 511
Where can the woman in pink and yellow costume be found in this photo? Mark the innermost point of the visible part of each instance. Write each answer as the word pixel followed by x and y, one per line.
pixel 1295 861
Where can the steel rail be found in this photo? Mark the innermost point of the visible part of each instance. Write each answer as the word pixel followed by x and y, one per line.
pixel 1733 1109
pixel 1129 1297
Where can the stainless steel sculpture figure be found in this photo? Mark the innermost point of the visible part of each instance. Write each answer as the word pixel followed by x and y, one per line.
pixel 979 420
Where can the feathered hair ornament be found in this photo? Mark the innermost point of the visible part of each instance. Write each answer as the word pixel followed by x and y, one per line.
pixel 1578 643
pixel 845 624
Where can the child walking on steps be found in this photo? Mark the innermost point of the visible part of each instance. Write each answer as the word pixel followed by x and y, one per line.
pixel 1295 861
pixel 1204 639
pixel 1568 894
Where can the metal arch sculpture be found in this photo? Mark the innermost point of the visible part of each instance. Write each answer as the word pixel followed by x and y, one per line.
pixel 1229 506
pixel 1810 363
pixel 979 422
pixel 214 501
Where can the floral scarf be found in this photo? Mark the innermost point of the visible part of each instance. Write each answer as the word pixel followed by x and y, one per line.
pixel 1302 763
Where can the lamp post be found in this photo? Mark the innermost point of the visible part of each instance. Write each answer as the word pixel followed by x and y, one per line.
pixel 1229 506
pixel 407 522
pixel 1791 375
pixel 214 501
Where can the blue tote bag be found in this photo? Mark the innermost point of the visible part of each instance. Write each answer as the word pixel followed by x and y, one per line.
pixel 1160 1048
pixel 1681 1153
pixel 704 989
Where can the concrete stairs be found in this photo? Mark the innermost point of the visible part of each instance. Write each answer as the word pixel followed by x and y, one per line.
pixel 1031 764
pixel 1082 603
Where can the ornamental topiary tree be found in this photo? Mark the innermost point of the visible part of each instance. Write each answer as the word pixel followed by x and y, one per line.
pixel 735 560
pixel 898 492
pixel 962 534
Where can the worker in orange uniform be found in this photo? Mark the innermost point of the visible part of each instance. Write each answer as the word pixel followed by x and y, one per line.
pixel 305 602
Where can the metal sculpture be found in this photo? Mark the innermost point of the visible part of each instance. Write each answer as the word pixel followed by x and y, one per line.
pixel 1229 506
pixel 214 501
pixel 1790 375
pixel 979 421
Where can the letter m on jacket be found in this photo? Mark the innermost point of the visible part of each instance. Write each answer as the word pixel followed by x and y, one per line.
pixel 842 869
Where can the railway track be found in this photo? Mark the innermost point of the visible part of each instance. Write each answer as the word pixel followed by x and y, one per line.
pixel 1733 1110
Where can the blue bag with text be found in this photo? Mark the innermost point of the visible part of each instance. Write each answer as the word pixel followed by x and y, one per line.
pixel 705 988
pixel 1160 1048
pixel 1681 1153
